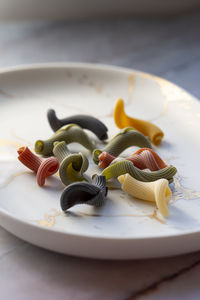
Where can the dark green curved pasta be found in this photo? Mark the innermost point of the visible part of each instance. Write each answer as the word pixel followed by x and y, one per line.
pixel 124 166
pixel 85 121
pixel 85 193
pixel 126 138
pixel 70 134
pixel 72 166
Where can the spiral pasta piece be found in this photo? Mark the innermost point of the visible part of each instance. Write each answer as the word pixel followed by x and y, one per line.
pixel 84 121
pixel 126 138
pixel 85 193
pixel 42 167
pixel 72 166
pixel 157 191
pixel 147 128
pixel 70 134
pixel 142 159
pixel 123 166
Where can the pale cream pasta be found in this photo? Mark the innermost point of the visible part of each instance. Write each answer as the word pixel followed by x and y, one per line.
pixel 157 191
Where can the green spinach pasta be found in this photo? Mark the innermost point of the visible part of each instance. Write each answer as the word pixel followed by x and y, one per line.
pixel 70 134
pixel 126 138
pixel 72 166
pixel 123 166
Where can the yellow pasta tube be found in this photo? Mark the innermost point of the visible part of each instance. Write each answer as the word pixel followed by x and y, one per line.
pixel 157 191
pixel 147 128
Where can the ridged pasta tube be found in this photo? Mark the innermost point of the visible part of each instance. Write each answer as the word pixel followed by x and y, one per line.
pixel 43 167
pixel 157 191
pixel 70 134
pixel 72 166
pixel 85 193
pixel 84 121
pixel 123 166
pixel 126 138
pixel 142 159
pixel 147 128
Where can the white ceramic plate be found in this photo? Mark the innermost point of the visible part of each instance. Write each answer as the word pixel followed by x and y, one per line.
pixel 125 227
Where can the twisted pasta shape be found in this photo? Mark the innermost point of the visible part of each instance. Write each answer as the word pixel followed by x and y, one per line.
pixel 147 128
pixel 85 193
pixel 142 159
pixel 127 137
pixel 70 134
pixel 124 166
pixel 85 121
pixel 72 166
pixel 42 167
pixel 157 191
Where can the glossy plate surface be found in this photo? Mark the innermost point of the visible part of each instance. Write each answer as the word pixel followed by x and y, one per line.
pixel 125 227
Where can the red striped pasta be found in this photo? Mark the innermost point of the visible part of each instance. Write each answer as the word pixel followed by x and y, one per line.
pixel 43 167
pixel 144 158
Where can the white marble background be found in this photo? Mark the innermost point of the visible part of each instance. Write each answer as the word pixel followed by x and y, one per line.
pixel 168 47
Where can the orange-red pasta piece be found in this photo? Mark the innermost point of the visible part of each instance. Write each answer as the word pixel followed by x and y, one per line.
pixel 144 158
pixel 43 167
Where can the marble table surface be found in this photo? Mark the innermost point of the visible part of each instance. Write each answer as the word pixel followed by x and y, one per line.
pixel 166 47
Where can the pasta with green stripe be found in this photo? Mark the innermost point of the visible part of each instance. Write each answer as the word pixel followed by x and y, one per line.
pixel 124 166
pixel 70 134
pixel 72 166
pixel 126 138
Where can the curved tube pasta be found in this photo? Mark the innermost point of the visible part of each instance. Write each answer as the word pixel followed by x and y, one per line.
pixel 42 167
pixel 142 159
pixel 124 166
pixel 85 193
pixel 84 121
pixel 147 128
pixel 70 134
pixel 157 191
pixel 72 166
pixel 146 154
pixel 126 138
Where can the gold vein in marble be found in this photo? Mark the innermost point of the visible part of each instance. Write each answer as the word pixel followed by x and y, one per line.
pixel 151 216
pixel 14 135
pixel 12 177
pixel 5 142
pixel 170 92
pixel 49 218
pixel 130 88
pixel 155 216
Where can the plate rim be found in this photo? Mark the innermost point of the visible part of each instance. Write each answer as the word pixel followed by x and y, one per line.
pixel 94 66
pixel 53 65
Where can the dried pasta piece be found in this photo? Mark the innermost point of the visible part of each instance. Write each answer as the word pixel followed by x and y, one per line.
pixel 124 166
pixel 105 159
pixel 72 166
pixel 160 163
pixel 126 138
pixel 85 193
pixel 42 167
pixel 142 159
pixel 147 128
pixel 157 191
pixel 70 134
pixel 84 121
